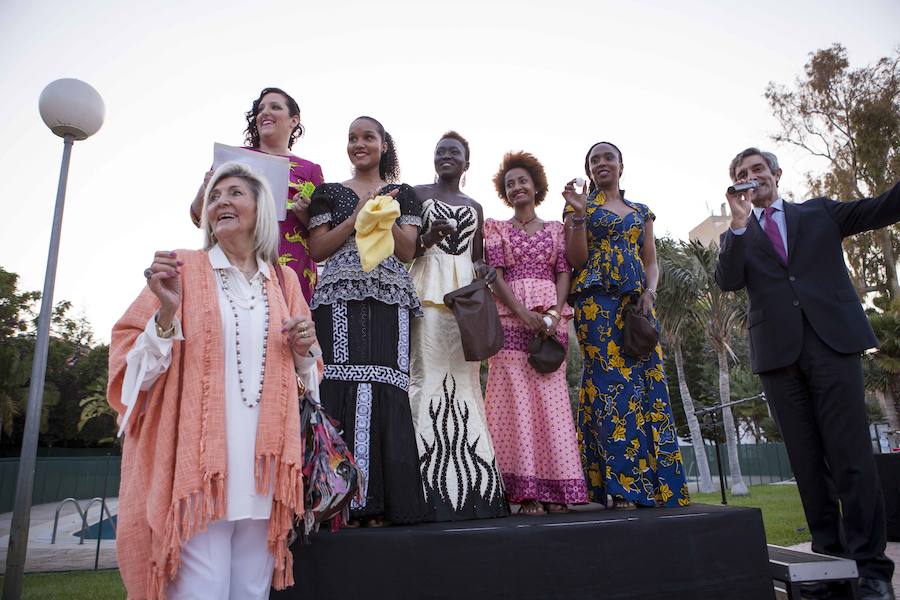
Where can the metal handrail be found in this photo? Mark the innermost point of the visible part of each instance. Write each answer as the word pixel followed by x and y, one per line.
pixel 104 507
pixel 82 513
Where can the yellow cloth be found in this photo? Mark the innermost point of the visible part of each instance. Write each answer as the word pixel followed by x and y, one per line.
pixel 374 238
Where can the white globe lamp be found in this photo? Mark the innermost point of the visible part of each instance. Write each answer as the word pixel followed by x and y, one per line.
pixel 72 107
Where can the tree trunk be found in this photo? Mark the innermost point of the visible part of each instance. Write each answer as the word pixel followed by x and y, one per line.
pixel 706 484
pixel 890 267
pixel 738 487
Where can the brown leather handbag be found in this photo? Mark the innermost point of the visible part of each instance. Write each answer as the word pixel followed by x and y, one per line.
pixel 545 353
pixel 477 319
pixel 640 336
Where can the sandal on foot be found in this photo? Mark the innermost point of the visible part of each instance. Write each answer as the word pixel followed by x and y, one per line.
pixel 620 503
pixel 556 508
pixel 532 508
pixel 377 521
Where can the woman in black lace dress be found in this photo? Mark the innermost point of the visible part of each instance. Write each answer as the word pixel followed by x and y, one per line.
pixel 362 321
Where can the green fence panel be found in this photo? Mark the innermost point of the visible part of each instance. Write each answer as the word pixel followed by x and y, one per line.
pixel 56 478
pixel 760 463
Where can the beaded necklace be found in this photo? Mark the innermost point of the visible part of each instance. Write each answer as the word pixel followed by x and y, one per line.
pixel 229 295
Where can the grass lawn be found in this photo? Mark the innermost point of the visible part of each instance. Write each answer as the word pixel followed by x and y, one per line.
pixel 73 585
pixel 781 511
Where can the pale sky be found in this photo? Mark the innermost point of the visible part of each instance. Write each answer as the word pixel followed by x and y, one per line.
pixel 678 86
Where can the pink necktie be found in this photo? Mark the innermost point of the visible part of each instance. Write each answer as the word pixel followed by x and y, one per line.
pixel 774 235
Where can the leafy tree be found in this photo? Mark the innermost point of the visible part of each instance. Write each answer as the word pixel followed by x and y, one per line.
pixel 76 365
pixel 720 313
pixel 96 412
pixel 15 349
pixel 882 369
pixel 849 118
pixel 678 294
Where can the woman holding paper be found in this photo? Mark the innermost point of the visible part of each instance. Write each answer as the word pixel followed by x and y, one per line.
pixel 203 373
pixel 273 125
pixel 366 227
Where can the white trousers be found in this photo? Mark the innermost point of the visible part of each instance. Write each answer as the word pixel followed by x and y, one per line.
pixel 230 560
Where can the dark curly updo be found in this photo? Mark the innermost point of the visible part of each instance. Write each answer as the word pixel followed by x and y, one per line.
pixel 389 164
pixel 251 134
pixel 521 160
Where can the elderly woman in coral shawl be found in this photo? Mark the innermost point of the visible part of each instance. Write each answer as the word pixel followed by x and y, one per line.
pixel 203 372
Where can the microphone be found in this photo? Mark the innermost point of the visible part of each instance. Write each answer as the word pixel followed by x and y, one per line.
pixel 743 187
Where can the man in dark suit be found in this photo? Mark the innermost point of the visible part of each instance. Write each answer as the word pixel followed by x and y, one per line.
pixel 807 331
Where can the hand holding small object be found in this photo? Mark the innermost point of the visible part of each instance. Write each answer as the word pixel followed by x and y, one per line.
pixel 574 198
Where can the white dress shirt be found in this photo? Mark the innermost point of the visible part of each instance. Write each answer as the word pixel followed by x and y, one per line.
pixel 151 356
pixel 777 216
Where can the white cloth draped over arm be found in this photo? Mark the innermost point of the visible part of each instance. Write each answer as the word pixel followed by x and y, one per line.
pixel 308 370
pixel 147 360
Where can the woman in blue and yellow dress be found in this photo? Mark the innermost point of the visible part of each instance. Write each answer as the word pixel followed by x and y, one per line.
pixel 626 431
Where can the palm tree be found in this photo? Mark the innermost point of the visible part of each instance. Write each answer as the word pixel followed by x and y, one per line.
pixel 720 314
pixel 882 368
pixel 678 291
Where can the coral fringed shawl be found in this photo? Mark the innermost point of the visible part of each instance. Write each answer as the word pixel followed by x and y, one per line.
pixel 174 457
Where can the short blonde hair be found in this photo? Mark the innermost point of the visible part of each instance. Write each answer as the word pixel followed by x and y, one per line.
pixel 265 235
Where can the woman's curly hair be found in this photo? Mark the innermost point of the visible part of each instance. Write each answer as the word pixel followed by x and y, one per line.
pixel 251 134
pixel 389 164
pixel 521 160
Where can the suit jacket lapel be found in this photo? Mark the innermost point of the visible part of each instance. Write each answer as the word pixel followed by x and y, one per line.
pixel 792 223
pixel 761 240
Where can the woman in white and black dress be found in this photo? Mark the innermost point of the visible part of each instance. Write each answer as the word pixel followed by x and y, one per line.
pixel 456 454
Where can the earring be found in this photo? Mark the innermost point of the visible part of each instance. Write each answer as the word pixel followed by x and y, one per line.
pixel 462 182
pixel 435 178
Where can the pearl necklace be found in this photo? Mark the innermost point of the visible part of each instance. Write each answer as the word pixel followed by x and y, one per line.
pixel 229 295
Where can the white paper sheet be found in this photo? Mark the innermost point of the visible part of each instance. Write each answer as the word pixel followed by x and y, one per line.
pixel 276 170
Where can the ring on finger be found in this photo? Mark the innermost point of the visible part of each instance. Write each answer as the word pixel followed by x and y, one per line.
pixel 148 273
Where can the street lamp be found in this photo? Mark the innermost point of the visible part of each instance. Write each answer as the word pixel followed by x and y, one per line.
pixel 73 110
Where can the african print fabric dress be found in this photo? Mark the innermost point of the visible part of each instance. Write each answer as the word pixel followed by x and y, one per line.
pixel 293 236
pixel 456 455
pixel 629 446
pixel 529 413
pixel 362 322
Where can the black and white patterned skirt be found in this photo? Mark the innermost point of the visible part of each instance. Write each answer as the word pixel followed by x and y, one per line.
pixel 365 347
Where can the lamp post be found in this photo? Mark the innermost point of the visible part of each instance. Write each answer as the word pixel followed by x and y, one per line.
pixel 72 110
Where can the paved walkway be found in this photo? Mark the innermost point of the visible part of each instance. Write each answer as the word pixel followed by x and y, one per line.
pixel 66 554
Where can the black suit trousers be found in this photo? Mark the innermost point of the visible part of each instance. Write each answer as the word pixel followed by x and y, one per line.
pixel 819 405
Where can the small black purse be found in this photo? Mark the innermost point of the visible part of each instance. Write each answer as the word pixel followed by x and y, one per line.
pixel 639 335
pixel 545 353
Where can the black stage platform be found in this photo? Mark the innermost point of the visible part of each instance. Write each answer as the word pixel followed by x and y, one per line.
pixel 700 553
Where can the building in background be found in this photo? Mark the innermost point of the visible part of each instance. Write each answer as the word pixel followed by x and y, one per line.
pixel 711 228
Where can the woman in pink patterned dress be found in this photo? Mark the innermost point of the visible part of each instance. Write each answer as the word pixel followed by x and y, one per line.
pixel 273 125
pixel 529 414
